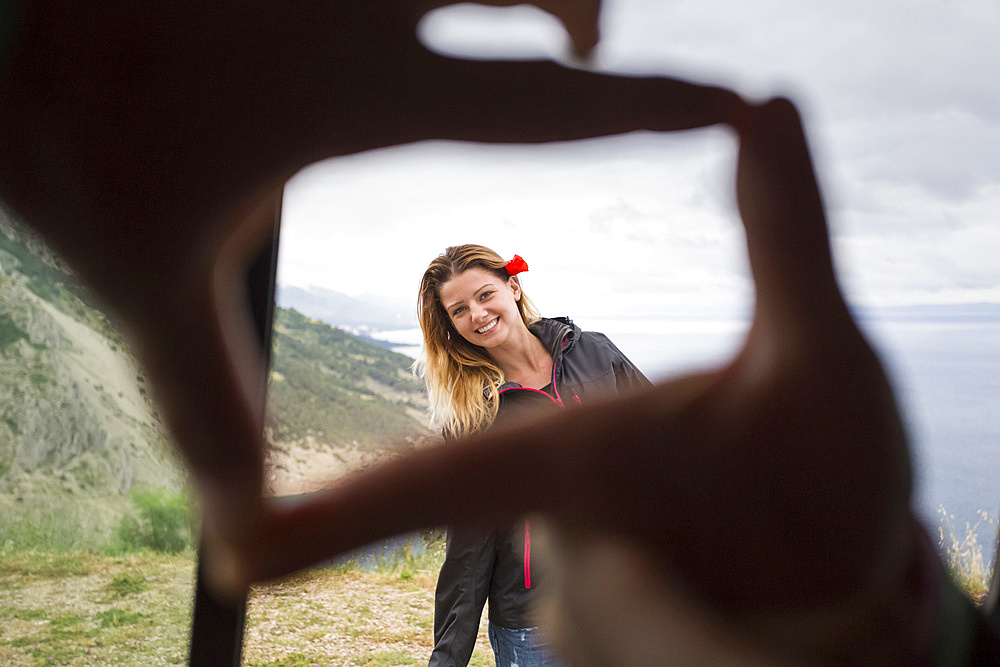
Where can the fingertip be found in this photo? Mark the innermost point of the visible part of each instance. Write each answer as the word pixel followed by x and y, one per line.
pixel 226 574
pixel 775 111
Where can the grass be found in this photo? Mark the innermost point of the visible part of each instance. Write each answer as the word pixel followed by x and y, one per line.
pixel 46 565
pixel 90 608
pixel 128 583
pixel 963 554
pixel 116 618
pixel 84 608
pixel 378 614
pixel 291 660
pixel 57 521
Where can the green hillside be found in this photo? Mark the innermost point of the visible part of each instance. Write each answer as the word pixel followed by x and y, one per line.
pixel 340 389
pixel 23 256
pixel 75 417
pixel 78 432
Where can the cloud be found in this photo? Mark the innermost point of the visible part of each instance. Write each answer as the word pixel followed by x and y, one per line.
pixel 904 126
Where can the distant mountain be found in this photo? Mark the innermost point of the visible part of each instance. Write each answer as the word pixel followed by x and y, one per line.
pixel 356 314
pixel 953 312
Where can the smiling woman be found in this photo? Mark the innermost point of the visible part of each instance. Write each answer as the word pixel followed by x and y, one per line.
pixel 464 295
pixel 489 357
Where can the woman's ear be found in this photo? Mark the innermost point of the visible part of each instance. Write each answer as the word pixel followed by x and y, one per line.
pixel 515 287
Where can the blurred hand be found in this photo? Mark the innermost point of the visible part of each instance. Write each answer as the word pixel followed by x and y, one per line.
pixel 755 513
pixel 149 150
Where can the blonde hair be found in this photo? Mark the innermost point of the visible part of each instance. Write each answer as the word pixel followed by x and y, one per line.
pixel 462 379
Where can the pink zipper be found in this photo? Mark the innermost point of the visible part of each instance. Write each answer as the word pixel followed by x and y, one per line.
pixel 558 401
pixel 554 399
pixel 555 364
pixel 527 555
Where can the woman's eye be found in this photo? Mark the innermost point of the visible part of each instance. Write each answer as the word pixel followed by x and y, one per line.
pixel 485 295
pixel 458 311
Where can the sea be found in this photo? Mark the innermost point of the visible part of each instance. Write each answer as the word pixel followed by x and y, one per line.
pixel 943 364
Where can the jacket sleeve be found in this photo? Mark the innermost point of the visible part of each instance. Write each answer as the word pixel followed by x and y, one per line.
pixel 461 592
pixel 627 375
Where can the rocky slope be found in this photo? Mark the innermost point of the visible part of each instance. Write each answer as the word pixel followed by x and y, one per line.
pixel 74 415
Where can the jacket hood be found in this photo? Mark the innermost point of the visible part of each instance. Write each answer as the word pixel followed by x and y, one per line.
pixel 552 331
pixel 558 335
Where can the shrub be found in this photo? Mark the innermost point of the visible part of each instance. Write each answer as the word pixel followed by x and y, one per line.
pixel 10 332
pixel 164 523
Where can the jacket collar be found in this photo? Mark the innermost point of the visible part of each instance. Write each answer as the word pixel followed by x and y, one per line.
pixel 558 335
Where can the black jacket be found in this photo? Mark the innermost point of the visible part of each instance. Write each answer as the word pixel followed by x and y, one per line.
pixel 494 563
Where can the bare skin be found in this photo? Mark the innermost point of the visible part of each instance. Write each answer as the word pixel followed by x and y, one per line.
pixel 148 150
pixel 477 299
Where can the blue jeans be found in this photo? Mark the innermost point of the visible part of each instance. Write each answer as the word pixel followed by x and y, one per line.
pixel 521 648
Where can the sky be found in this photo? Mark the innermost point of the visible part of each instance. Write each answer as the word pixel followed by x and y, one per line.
pixel 901 107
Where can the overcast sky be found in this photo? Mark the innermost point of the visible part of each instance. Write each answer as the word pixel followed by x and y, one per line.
pixel 903 112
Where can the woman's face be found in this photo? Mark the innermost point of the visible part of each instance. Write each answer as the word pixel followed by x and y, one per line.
pixel 482 307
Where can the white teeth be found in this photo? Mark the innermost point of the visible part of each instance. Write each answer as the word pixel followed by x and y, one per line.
pixel 488 326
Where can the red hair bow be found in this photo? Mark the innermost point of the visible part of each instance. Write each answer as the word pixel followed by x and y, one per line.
pixel 516 266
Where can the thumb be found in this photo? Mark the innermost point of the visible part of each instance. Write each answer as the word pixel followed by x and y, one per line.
pixel 581 18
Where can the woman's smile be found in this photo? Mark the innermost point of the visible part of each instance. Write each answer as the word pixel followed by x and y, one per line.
pixel 488 327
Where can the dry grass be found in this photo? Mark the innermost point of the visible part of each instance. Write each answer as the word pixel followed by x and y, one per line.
pixel 85 609
pixel 963 554
pixel 333 617
pixel 79 608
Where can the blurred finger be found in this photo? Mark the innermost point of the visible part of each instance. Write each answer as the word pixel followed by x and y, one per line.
pixel 579 18
pixel 782 209
pixel 556 465
pixel 534 102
